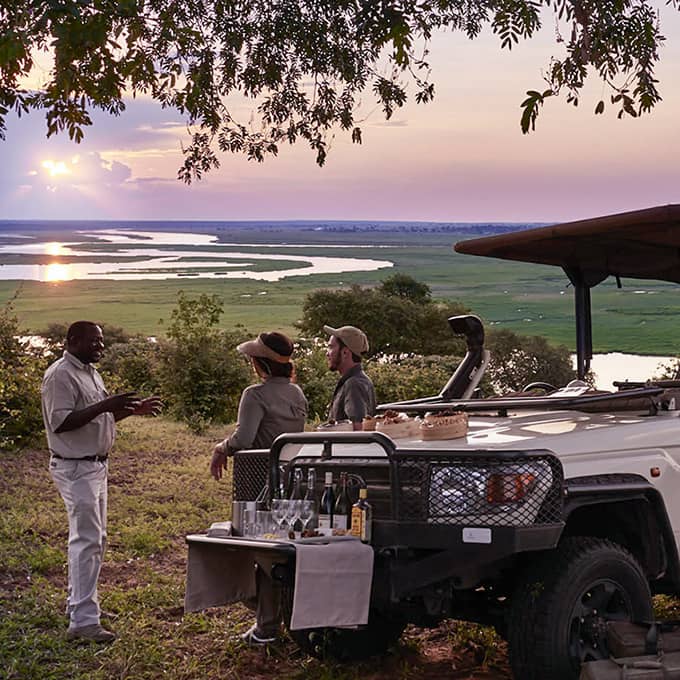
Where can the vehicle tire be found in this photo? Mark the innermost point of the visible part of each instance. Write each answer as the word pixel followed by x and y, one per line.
pixel 558 613
pixel 344 644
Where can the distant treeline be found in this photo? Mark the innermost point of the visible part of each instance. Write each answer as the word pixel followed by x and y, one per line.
pixel 215 227
pixel 427 227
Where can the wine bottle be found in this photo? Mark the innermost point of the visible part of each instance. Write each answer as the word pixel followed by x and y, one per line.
pixel 343 507
pixel 327 504
pixel 310 495
pixel 362 517
pixel 296 495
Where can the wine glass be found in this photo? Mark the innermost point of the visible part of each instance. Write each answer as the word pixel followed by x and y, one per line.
pixel 294 513
pixel 279 510
pixel 306 513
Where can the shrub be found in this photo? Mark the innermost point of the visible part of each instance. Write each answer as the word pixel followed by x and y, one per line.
pixel 313 376
pixel 517 360
pixel 405 286
pixel 200 373
pixel 411 377
pixel 131 366
pixel 394 323
pixel 21 370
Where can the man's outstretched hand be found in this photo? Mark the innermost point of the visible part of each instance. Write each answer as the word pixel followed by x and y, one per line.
pixel 121 405
pixel 151 406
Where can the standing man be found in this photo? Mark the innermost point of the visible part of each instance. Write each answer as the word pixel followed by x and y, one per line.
pixel 354 396
pixel 79 418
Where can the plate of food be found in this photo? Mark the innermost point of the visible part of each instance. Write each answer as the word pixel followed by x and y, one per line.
pixel 444 425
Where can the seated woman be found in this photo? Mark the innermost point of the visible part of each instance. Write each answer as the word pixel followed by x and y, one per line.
pixel 273 406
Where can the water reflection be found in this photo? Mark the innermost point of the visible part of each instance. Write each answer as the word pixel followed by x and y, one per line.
pixel 54 249
pixel 168 260
pixel 56 271
pixel 621 367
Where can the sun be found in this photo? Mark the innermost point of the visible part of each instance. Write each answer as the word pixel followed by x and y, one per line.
pixel 56 168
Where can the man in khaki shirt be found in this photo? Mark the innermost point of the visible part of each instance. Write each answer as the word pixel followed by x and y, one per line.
pixel 80 418
pixel 354 395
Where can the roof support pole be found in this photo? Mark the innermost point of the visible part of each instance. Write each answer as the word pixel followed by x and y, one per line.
pixel 584 337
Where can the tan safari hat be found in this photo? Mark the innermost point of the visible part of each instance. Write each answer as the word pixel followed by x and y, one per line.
pixel 260 347
pixel 351 336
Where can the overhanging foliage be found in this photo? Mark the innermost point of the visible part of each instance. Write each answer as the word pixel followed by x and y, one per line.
pixel 306 63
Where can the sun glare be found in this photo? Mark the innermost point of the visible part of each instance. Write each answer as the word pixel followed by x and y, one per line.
pixel 56 168
pixel 56 272
pixel 55 249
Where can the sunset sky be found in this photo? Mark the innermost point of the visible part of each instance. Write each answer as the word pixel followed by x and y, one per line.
pixel 460 158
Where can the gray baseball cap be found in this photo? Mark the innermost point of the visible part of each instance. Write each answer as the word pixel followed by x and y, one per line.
pixel 351 336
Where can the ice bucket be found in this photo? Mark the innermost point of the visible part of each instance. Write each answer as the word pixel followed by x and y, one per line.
pixel 238 515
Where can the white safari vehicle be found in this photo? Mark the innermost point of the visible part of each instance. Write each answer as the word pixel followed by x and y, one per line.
pixel 553 515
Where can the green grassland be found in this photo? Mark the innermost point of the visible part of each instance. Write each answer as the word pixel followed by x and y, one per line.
pixel 160 490
pixel 527 299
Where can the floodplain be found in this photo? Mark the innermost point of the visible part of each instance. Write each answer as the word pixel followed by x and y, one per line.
pixel 639 318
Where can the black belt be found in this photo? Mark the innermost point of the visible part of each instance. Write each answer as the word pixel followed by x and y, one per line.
pixel 95 459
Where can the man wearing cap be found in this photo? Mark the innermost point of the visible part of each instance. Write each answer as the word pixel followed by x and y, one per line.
pixel 80 421
pixel 354 396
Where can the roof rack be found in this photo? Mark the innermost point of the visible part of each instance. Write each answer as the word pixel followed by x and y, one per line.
pixel 631 399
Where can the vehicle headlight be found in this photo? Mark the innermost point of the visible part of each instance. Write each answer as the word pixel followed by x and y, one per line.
pixel 507 493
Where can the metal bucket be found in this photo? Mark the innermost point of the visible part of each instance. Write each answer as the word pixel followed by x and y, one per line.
pixel 238 515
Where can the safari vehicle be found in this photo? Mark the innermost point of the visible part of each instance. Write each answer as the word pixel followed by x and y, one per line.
pixel 555 514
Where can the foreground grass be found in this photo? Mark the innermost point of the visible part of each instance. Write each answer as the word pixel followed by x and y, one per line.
pixel 159 491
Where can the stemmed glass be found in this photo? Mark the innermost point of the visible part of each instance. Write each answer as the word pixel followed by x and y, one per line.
pixel 306 513
pixel 279 513
pixel 293 512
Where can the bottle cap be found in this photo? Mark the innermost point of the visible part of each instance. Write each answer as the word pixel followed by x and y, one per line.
pixel 363 492
pixel 329 478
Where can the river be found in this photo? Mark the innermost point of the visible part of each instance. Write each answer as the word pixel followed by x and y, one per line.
pixel 160 255
pixel 633 367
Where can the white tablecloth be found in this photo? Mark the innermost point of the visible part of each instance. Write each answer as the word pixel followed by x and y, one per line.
pixel 332 580
pixel 332 584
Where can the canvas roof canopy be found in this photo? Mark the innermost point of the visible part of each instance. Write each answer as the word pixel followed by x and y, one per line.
pixel 642 244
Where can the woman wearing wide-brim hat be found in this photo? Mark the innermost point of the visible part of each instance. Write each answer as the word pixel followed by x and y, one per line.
pixel 267 409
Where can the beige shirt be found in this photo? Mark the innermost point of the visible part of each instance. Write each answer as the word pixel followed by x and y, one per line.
pixel 70 385
pixel 267 410
pixel 354 397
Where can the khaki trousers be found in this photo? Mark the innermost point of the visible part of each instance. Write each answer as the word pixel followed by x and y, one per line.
pixel 83 487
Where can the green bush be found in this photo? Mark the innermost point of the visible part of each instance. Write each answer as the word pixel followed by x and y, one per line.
pixel 313 376
pixel 200 373
pixel 132 366
pixel 394 323
pixel 21 370
pixel 411 377
pixel 517 360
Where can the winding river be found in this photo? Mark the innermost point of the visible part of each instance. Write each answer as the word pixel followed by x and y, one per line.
pixel 165 255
